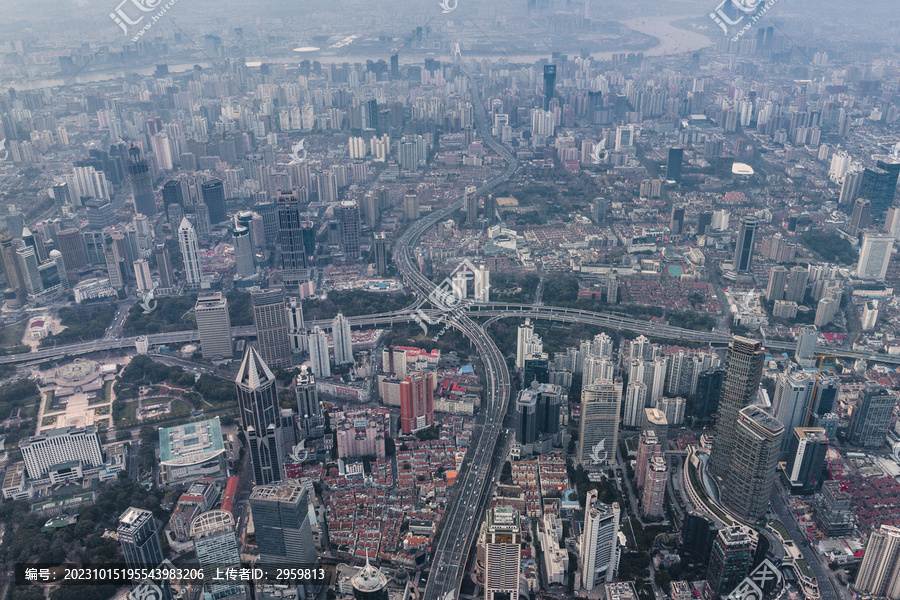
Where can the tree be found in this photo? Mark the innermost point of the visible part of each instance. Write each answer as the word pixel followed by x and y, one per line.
pixel 389 446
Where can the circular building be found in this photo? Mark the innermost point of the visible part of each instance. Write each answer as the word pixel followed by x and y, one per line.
pixel 369 584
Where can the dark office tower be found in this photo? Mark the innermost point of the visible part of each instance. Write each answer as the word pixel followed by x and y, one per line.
pixel 698 532
pixel 213 192
pixel 164 266
pixel 730 560
pixel 308 233
pixel 871 417
pixel 138 538
pixel 878 185
pixel 141 183
pixel 536 368
pixel 381 253
pixel 676 220
pixel 12 269
pixel 859 220
pixel 270 318
pixel 172 193
pixel 806 459
pixel 754 463
pixel 743 251
pixel 281 519
pixel 827 389
pixel 372 113
pixel 259 412
pixel 526 417
pixel 743 371
pixel 349 217
pixel 61 194
pixel 369 583
pixel 549 85
pixel 395 66
pixel 308 404
pixel 71 246
pixel 294 262
pixel 706 400
pixel 704 221
pixel 673 166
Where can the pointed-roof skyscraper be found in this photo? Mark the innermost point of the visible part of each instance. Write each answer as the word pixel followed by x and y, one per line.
pixel 259 411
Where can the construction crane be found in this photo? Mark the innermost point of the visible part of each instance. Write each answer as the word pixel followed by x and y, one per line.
pixel 821 358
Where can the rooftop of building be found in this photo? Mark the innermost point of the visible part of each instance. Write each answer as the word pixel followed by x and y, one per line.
pixel 191 443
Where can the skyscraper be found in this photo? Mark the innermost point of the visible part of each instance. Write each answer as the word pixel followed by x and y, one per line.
pixel 599 542
pixel 213 192
pixel 318 353
pixel 879 185
pixel 754 460
pixel 349 219
pixel 342 340
pixel 673 166
pixel 381 253
pixel 190 252
pixel 141 183
pixel 806 458
pixel 525 333
pixel 777 281
pixel 871 417
pixel 417 401
pixel 526 418
pixel 792 402
pixel 549 85
pixel 113 263
pixel 730 560
pixel 271 319
pixel 879 573
pixel 214 326
pixel 294 259
pixel 259 414
pixel 164 266
pixel 471 205
pixel 796 285
pixel 743 371
pixel 743 251
pixel 138 538
pixel 281 519
pixel 698 533
pixel 142 275
pixel 874 256
pixel 859 220
pixel 599 427
pixel 243 252
pixel 654 494
pixel 216 546
pixel 502 553
pixel 71 245
pixel 298 336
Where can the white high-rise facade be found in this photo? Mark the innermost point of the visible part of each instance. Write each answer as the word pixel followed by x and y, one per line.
pixel 190 252
pixel 318 353
pixel 502 553
pixel 297 333
pixel 525 333
pixel 635 401
pixel 599 542
pixel 68 444
pixel 343 343
pixel 879 574
pixel 874 256
pixel 792 402
pixel 214 326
